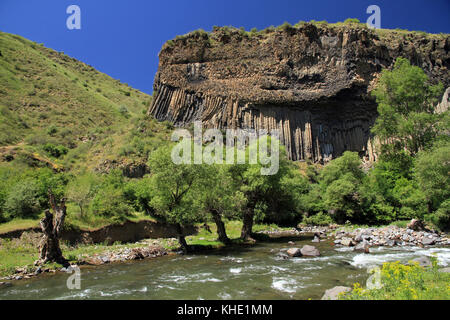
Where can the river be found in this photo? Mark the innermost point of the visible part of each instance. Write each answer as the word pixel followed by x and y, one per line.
pixel 254 272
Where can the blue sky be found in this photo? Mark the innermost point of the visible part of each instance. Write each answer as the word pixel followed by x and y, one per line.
pixel 123 38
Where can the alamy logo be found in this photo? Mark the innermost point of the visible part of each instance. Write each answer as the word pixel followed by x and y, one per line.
pixel 258 142
pixel 374 21
pixel 74 281
pixel 74 20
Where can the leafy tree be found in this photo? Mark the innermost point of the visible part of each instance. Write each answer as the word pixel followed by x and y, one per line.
pixel 219 197
pixel 431 172
pixel 406 104
pixel 109 198
pixel 340 181
pixel 173 196
pixel 80 191
pixel 22 200
pixel 263 194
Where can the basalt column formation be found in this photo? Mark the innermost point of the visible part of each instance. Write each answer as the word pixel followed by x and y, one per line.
pixel 312 83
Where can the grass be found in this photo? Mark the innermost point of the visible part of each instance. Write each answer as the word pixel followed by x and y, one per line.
pixel 49 98
pixel 233 229
pixel 406 282
pixel 18 224
pixel 201 35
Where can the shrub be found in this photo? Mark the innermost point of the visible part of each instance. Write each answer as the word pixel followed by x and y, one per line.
pixel 320 219
pixel 405 282
pixel 55 151
pixel 351 21
pixel 123 110
pixel 22 200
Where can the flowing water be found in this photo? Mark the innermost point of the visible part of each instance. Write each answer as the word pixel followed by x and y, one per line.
pixel 237 273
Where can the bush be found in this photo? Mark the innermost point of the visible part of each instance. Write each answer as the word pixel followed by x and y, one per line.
pixel 22 200
pixel 110 202
pixel 55 151
pixel 320 219
pixel 405 282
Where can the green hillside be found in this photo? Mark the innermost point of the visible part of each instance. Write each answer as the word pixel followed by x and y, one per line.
pixel 64 112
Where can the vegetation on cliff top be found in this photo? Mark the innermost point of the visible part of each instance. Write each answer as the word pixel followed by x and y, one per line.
pixel 286 27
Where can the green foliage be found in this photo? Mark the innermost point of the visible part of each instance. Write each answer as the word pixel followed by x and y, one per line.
pixel 320 219
pixel 405 282
pixel 55 151
pixel 173 188
pixel 431 172
pixel 109 199
pixel 406 108
pixel 352 21
pixel 22 200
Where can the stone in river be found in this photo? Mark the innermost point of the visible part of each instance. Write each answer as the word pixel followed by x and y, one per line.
pixel 423 261
pixel 310 251
pixel 347 242
pixel 428 241
pixel 362 247
pixel 294 252
pixel 333 294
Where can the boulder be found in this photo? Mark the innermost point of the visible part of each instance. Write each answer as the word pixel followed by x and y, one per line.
pixel 423 261
pixel 446 270
pixel 347 242
pixel 427 241
pixel 310 251
pixel 333 294
pixel 416 225
pixel 316 239
pixel 294 252
pixel 362 247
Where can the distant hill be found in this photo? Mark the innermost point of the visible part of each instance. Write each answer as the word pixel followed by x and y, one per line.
pixel 57 110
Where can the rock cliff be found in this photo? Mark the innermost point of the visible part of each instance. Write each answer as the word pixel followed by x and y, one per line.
pixel 312 83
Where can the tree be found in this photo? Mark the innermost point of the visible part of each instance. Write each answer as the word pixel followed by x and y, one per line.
pixel 219 197
pixel 340 183
pixel 262 193
pixel 80 191
pixel 172 191
pixel 431 172
pixel 52 225
pixel 406 104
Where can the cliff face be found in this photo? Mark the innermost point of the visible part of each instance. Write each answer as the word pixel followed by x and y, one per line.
pixel 312 83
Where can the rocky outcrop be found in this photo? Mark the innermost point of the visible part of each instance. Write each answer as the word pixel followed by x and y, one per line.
pixel 312 83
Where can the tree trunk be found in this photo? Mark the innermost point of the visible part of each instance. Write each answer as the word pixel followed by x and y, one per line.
pixel 51 226
pixel 181 239
pixel 246 233
pixel 221 231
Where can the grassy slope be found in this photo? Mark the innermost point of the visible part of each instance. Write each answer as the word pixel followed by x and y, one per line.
pixel 49 97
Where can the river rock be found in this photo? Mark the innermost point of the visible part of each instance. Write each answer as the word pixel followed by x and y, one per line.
pixel 333 294
pixel 446 270
pixel 423 261
pixel 310 251
pixel 416 225
pixel 294 252
pixel 5 284
pixel 427 241
pixel 347 242
pixel 316 239
pixel 362 247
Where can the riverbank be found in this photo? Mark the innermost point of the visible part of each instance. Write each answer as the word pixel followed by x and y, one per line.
pixel 17 255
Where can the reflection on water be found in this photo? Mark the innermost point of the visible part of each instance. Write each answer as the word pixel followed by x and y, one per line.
pixel 239 273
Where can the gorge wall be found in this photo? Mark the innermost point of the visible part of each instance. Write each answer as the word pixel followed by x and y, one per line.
pixel 312 83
